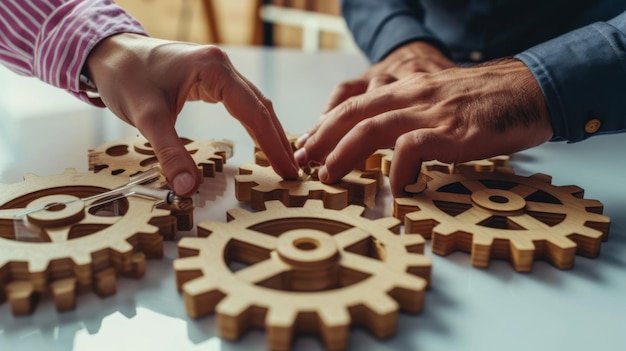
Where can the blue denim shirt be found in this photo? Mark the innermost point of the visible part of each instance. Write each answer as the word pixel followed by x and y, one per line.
pixel 576 49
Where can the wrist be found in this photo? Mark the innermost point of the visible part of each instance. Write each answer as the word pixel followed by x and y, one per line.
pixel 106 56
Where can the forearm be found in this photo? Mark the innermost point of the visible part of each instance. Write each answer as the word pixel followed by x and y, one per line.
pixel 51 39
pixel 582 75
pixel 379 27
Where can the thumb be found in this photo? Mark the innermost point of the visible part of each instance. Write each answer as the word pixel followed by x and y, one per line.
pixel 176 163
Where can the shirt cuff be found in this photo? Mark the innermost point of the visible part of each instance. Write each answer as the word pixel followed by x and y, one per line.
pixel 582 75
pixel 69 35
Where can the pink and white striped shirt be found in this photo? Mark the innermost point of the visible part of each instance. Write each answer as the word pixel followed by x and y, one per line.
pixel 51 39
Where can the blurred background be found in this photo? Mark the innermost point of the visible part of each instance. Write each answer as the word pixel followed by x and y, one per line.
pixel 306 24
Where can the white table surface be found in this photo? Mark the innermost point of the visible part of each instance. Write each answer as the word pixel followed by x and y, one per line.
pixel 466 309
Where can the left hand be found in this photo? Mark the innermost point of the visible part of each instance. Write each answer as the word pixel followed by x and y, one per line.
pixel 146 82
pixel 453 116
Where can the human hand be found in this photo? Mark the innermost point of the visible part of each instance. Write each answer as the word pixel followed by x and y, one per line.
pixel 410 58
pixel 146 81
pixel 453 116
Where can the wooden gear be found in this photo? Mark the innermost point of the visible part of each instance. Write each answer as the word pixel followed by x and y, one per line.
pixel 258 184
pixel 133 155
pixel 505 216
pixel 307 269
pixel 73 246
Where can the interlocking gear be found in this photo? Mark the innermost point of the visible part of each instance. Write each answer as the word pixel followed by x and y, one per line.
pixel 133 155
pixel 505 216
pixel 258 184
pixel 54 241
pixel 302 269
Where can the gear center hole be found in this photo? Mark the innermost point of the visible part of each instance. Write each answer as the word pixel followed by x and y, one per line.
pixel 306 244
pixel 55 207
pixel 498 199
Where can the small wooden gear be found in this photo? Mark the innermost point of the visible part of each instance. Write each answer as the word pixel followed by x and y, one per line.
pixel 60 245
pixel 133 155
pixel 505 216
pixel 259 184
pixel 302 269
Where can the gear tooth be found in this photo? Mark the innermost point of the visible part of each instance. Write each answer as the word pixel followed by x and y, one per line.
pixel 237 213
pixel 201 285
pixel 381 316
pixel 408 292
pixel 381 304
pixel 233 306
pixel 421 266
pixel 235 316
pixel 191 243
pixel 593 206
pixel 541 177
pixel 279 322
pixel 412 239
pixel 574 190
pixel 334 326
pixel 81 258
pixel 354 210
pixel 121 247
pixel 390 223
pixel 274 205
pixel 314 204
pixel 38 265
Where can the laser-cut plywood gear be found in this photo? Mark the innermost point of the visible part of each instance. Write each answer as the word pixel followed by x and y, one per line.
pixel 134 155
pixel 505 216
pixel 258 184
pixel 69 246
pixel 307 269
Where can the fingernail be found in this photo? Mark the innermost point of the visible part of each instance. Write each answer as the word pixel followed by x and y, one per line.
pixel 322 174
pixel 183 183
pixel 300 156
pixel 302 139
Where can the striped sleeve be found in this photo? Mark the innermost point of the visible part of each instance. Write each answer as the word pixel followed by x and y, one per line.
pixel 51 39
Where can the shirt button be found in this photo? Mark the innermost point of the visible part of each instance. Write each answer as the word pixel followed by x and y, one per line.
pixel 592 126
pixel 476 56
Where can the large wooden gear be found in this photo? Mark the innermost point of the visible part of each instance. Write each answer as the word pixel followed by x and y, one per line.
pixel 505 216
pixel 258 184
pixel 72 246
pixel 306 269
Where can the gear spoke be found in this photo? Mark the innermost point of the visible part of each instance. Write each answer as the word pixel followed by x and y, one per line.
pixel 473 185
pixel 350 237
pixel 473 215
pixel 450 197
pixel 545 207
pixel 257 239
pixel 523 190
pixel 528 222
pixel 361 263
pixel 262 271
